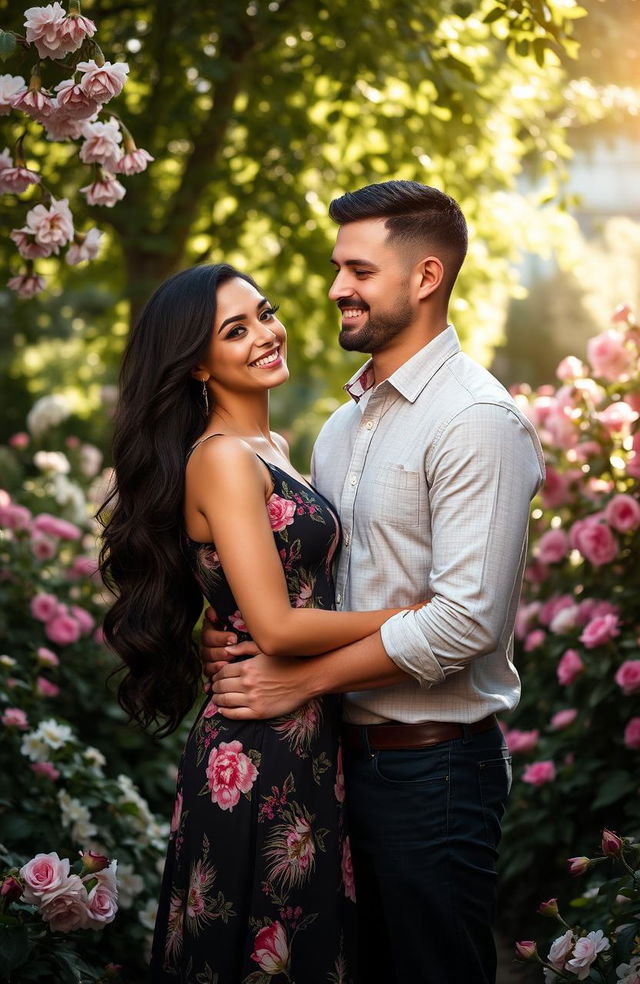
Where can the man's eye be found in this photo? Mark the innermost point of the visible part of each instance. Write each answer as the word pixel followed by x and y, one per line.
pixel 362 273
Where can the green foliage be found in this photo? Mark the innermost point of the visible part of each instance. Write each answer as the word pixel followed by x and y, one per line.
pixel 257 115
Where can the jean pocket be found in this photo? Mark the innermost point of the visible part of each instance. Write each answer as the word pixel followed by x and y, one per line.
pixel 408 766
pixel 495 783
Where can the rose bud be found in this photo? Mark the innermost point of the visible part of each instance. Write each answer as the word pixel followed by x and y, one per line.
pixel 549 908
pixel 11 889
pixel 93 862
pixel 611 843
pixel 527 950
pixel 578 866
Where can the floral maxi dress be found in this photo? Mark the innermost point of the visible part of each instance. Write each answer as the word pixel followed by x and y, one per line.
pixel 258 885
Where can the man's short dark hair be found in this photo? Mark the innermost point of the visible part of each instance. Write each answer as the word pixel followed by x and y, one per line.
pixel 417 217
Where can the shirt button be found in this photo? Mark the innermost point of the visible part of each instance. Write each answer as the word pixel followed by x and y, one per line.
pixel 338 598
pixel 347 538
pixel 353 479
pixel 369 425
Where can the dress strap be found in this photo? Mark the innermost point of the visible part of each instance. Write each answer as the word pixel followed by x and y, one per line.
pixel 198 443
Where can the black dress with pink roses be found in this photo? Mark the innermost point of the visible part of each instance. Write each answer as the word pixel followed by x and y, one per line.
pixel 258 886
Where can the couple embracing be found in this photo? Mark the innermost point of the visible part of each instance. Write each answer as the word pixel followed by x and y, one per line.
pixel 348 748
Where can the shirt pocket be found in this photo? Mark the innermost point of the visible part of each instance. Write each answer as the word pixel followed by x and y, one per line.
pixel 397 493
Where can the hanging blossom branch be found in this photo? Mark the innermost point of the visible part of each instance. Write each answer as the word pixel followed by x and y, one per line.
pixel 72 110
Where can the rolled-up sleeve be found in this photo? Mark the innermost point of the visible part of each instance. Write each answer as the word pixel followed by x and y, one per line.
pixel 482 472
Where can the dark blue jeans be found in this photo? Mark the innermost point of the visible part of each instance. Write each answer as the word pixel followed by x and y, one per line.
pixel 425 828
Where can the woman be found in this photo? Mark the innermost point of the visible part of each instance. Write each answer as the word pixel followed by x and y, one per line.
pixel 257 884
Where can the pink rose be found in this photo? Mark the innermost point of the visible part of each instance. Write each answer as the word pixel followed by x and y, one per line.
pixel 281 512
pixel 93 863
pixel 102 900
pixel 569 667
pixel 560 950
pixel 571 368
pixel 14 717
pixel 53 526
pixel 83 567
pixel 593 608
pixel 623 513
pixel 555 491
pixel 10 86
pixel 134 161
pixel 17 179
pixel 11 889
pixel 271 950
pixel 59 126
pixel 19 440
pixel 73 103
pixel 26 285
pixel 628 677
pixel 534 640
pixel 101 144
pixel 106 191
pixel 75 28
pixel 84 619
pixel 46 657
pixel 102 82
pixel 45 688
pixel 525 618
pixel 43 876
pixel 585 952
pixel 43 548
pixel 67 908
pixel 565 620
pixel 347 871
pixel 608 355
pixel 552 606
pixel 539 773
pixel 578 866
pixel 562 719
pixel 552 547
pixel 632 733
pixel 14 517
pixel 35 103
pixel 617 418
pixel 599 631
pixel 595 541
pixel 561 428
pixel 521 741
pixel 45 769
pixel 63 629
pixel 44 607
pixel 52 226
pixel 53 33
pixel 229 773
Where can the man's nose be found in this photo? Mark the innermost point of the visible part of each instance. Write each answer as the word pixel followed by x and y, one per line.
pixel 339 288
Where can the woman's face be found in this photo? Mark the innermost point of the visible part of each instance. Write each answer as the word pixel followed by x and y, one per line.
pixel 248 345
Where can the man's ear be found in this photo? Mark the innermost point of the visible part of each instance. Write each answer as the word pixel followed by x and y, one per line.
pixel 431 273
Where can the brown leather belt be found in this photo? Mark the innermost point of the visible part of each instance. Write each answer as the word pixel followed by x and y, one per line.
pixel 381 737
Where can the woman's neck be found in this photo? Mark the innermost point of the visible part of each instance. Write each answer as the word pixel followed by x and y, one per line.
pixel 242 415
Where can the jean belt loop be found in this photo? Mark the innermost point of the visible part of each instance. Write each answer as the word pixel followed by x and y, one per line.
pixel 467 734
pixel 365 741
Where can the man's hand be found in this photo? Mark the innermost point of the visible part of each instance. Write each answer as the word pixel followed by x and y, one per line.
pixel 217 647
pixel 261 687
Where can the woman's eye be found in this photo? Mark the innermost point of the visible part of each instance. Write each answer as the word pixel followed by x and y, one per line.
pixel 269 312
pixel 235 332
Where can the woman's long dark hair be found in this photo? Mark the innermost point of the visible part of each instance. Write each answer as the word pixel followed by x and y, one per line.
pixel 161 412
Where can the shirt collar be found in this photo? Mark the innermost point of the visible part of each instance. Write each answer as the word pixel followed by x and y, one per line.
pixel 414 374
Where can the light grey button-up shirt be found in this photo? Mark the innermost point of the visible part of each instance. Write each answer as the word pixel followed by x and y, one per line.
pixel 432 473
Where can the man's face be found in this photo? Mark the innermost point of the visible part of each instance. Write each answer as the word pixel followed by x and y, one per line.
pixel 371 287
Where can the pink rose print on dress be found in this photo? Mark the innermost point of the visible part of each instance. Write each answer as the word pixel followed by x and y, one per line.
pixel 238 622
pixel 229 773
pixel 281 512
pixel 209 559
pixel 271 950
pixel 339 783
pixel 177 813
pixel 347 871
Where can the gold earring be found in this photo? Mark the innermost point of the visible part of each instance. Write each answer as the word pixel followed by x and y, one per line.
pixel 206 397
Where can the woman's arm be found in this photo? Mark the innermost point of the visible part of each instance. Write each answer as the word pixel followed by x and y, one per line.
pixel 227 484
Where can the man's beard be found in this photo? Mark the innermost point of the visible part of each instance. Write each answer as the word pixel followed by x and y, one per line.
pixel 378 330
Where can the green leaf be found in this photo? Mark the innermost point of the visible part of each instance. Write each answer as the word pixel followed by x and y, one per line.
pixel 15 947
pixel 618 785
pixel 494 15
pixel 8 44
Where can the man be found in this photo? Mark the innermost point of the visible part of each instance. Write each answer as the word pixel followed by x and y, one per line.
pixel 432 468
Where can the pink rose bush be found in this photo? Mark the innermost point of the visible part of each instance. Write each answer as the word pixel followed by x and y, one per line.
pixel 602 947
pixel 68 110
pixel 72 787
pixel 575 735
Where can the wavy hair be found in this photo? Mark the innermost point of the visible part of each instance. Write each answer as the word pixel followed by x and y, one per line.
pixel 160 414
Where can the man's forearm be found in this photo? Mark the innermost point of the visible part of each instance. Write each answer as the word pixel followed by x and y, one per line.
pixel 363 665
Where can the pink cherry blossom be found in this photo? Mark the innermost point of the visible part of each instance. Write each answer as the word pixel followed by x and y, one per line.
pixel 569 667
pixel 59 126
pixel 26 285
pixel 106 191
pixel 632 733
pixel 229 773
pixel 10 86
pixel 101 144
pixel 51 226
pixel 562 719
pixel 36 103
pixel 520 742
pixel 63 629
pixel 73 102
pixel 271 950
pixel 595 541
pixel 17 179
pixel 628 677
pixel 15 717
pixel 102 82
pixel 44 606
pixel 585 953
pixel 43 875
pixel 623 513
pixel 45 688
pixel 27 245
pixel 84 247
pixel 46 657
pixel 539 773
pixel 552 547
pixel 608 355
pixel 599 631
pixel 45 769
pixel 617 418
pixel 134 161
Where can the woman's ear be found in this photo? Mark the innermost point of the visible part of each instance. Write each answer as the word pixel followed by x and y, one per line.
pixel 201 374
